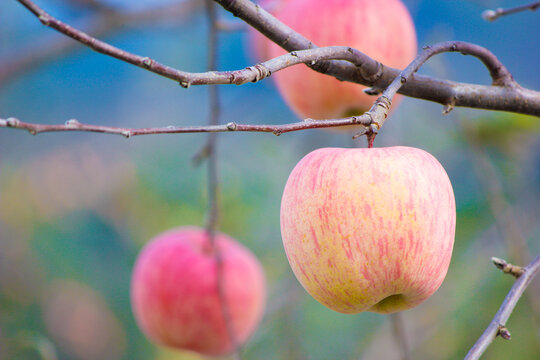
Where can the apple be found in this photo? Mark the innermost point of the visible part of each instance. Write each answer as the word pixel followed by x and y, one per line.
pixel 369 229
pixel 382 29
pixel 174 291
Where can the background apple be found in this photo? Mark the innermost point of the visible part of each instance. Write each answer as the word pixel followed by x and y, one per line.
pixel 369 229
pixel 175 296
pixel 383 29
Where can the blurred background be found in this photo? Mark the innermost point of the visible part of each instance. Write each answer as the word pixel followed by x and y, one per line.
pixel 75 208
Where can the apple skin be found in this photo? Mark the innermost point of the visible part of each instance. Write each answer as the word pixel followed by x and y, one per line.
pixel 382 29
pixel 369 229
pixel 175 297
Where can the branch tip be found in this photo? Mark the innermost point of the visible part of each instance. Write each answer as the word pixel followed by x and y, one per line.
pixel 372 91
pixel 72 123
pixel 504 332
pixel 507 268
pixel 447 108
pixel 489 15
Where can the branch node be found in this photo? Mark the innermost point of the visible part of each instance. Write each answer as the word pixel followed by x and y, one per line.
pixel 185 84
pixel 360 133
pixel 374 127
pixel 45 19
pixel 13 122
pixel 447 108
pixel 127 134
pixel 231 126
pixel 72 123
pixel 372 91
pixel 504 332
pixel 507 268
pixel 261 72
pixel 147 62
pixel 277 132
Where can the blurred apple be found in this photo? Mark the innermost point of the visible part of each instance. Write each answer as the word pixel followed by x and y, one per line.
pixel 174 291
pixel 382 29
pixel 369 229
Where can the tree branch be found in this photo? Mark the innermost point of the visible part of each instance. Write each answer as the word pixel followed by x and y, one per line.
pixel 372 120
pixel 104 22
pixel 447 93
pixel 278 129
pixel 504 94
pixel 498 324
pixel 491 15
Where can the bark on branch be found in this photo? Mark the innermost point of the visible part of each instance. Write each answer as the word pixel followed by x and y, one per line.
pixel 349 65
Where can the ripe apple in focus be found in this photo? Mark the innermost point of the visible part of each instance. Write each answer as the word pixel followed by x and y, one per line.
pixel 174 291
pixel 382 29
pixel 369 229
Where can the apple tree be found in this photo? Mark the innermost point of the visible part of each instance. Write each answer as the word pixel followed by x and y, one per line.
pixel 375 227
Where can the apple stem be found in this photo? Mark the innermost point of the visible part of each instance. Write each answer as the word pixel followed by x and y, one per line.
pixel 371 139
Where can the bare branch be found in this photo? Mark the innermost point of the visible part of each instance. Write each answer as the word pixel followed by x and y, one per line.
pixel 102 23
pixel 491 15
pixel 447 93
pixel 371 120
pixel 504 95
pixel 278 129
pixel 498 324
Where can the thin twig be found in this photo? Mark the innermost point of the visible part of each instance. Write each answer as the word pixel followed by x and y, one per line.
pixel 514 270
pixel 278 129
pixel 102 23
pixel 213 181
pixel 351 65
pixel 504 215
pixel 498 324
pixel 379 111
pixel 491 15
pixel 371 120
pixel 443 92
